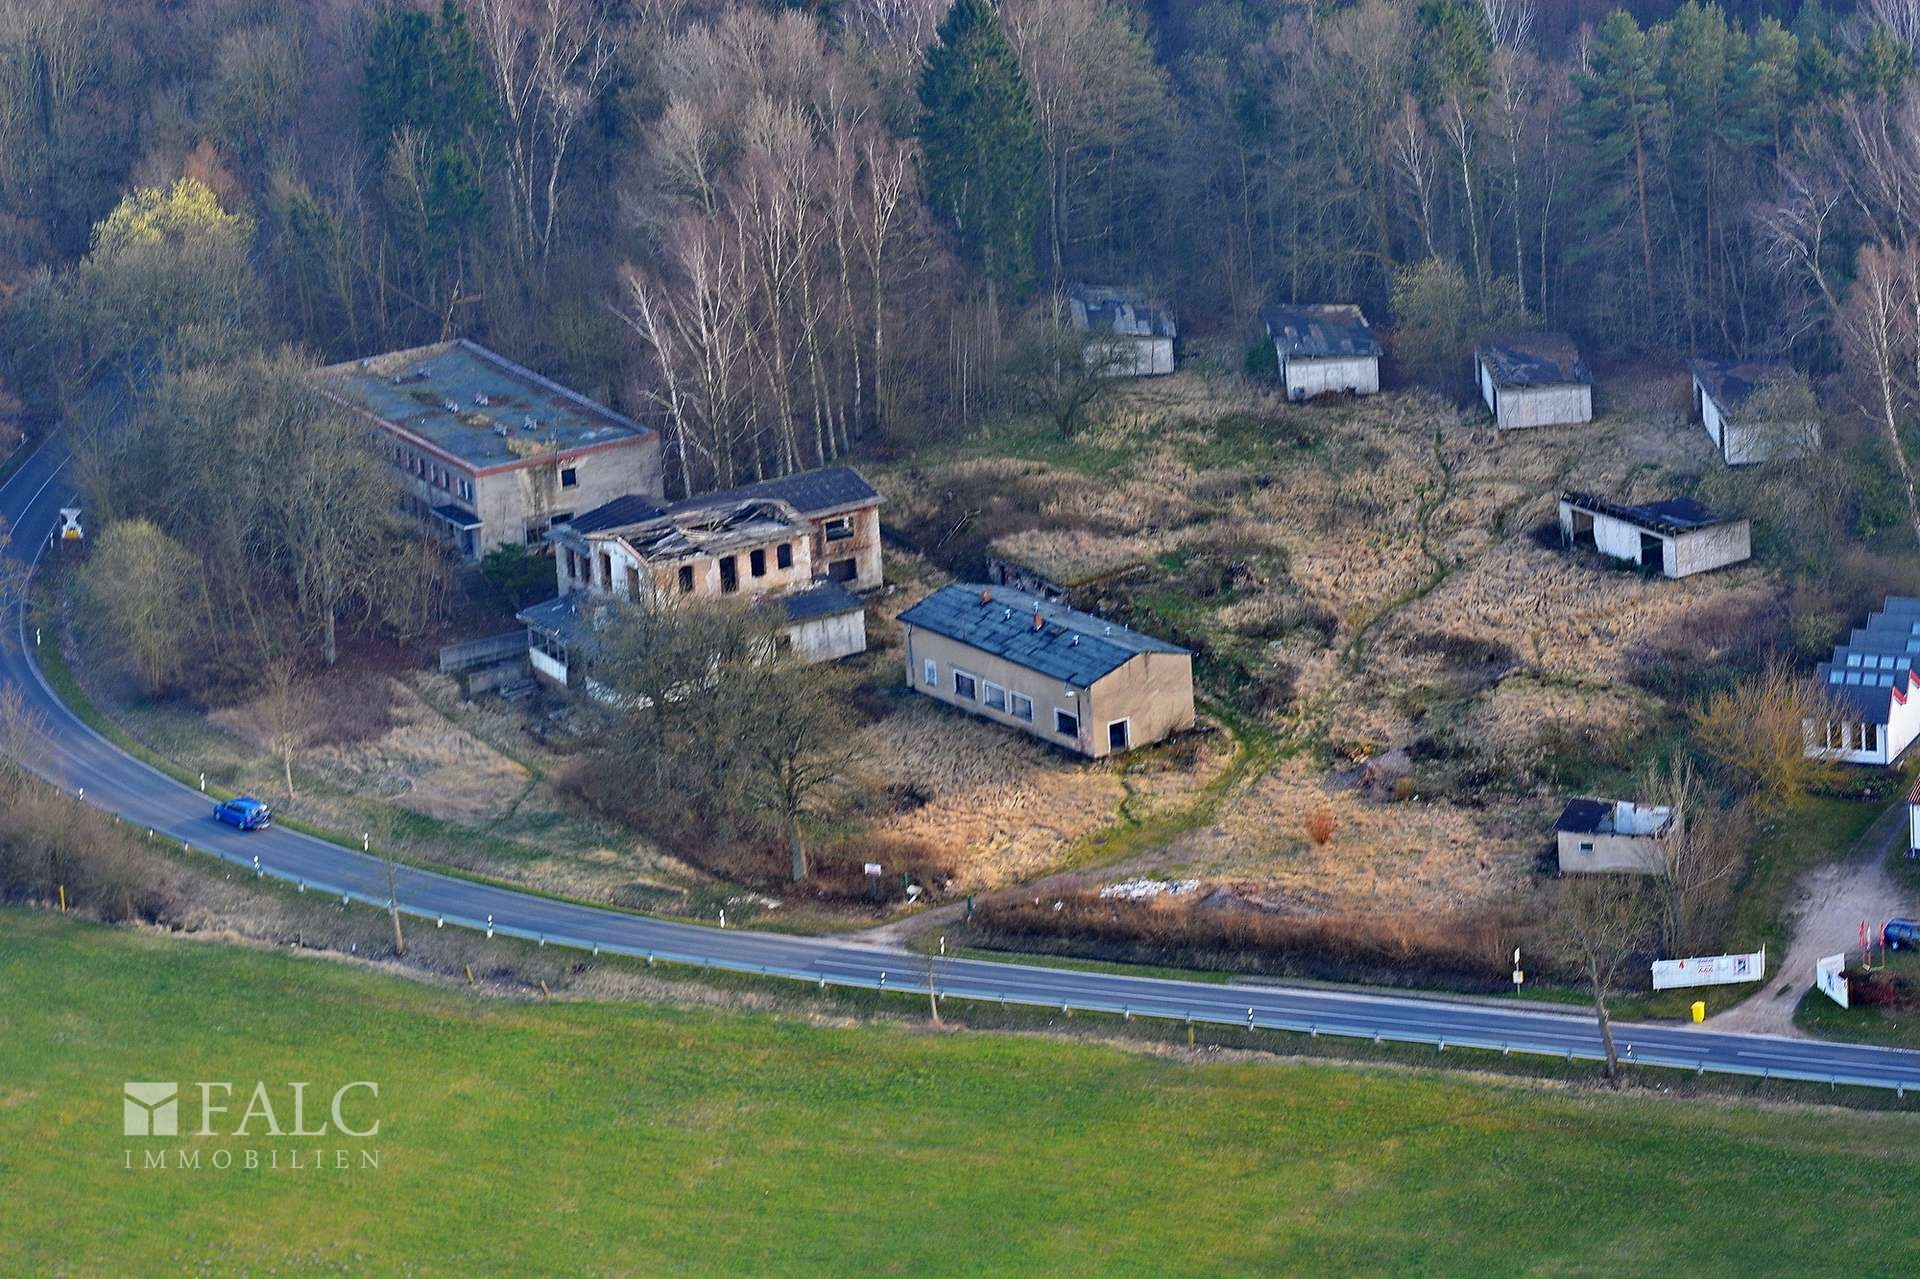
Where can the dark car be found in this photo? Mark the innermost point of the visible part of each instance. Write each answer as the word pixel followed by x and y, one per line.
pixel 244 811
pixel 1901 934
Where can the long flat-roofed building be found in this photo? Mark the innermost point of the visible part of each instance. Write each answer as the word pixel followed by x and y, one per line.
pixel 491 453
pixel 1067 677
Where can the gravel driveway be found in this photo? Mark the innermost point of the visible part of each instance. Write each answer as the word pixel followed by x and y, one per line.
pixel 1834 899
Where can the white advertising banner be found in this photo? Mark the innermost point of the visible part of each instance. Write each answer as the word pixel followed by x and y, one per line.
pixel 1709 970
pixel 1829 977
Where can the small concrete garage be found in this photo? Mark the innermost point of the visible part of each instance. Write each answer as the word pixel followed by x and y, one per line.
pixel 1679 537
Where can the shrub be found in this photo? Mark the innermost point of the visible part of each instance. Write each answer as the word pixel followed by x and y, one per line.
pixel 1321 824
pixel 1467 951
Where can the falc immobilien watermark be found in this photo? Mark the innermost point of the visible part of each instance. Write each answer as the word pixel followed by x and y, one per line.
pixel 332 1138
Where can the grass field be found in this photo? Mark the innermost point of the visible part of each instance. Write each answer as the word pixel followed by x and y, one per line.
pixel 646 1140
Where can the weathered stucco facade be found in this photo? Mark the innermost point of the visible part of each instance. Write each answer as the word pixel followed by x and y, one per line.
pixel 1597 837
pixel 1531 380
pixel 1306 377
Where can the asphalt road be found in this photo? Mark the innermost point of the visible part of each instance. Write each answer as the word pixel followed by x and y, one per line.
pixel 73 756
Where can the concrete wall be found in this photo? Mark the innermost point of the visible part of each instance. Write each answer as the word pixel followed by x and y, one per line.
pixel 863 548
pixel 1596 853
pixel 1744 444
pixel 1155 696
pixel 1520 407
pixel 1132 356
pixel 1306 378
pixel 511 502
pixel 1709 548
pixel 1616 537
pixel 823 639
pixel 1153 692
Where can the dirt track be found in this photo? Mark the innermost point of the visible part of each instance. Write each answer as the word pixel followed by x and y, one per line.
pixel 1834 900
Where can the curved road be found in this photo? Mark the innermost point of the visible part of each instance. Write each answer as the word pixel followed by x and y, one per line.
pixel 73 756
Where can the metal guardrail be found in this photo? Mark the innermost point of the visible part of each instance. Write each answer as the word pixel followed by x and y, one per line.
pixel 1254 1019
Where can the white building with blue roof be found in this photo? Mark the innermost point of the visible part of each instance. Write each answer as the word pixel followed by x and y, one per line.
pixel 1869 685
pixel 1085 684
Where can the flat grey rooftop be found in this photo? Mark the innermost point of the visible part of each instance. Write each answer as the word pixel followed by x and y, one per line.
pixel 476 405
pixel 1321 332
pixel 1533 359
pixel 1673 516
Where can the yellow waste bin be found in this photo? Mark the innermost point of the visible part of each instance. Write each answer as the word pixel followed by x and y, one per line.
pixel 1699 1010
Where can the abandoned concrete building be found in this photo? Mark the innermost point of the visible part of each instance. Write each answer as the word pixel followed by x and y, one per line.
pixel 802 543
pixel 1323 349
pixel 1533 379
pixel 1677 538
pixel 1871 714
pixel 1601 836
pixel 1724 401
pixel 1133 333
pixel 489 453
pixel 1070 678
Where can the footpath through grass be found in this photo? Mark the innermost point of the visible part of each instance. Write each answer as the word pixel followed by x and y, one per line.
pixel 639 1140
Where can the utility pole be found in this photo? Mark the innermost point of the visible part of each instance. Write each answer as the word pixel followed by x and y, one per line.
pixel 393 907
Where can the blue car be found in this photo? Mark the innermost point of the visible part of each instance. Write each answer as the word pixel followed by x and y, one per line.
pixel 1901 934
pixel 245 811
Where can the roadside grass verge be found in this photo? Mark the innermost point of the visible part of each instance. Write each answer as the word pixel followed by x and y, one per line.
pixel 592 1138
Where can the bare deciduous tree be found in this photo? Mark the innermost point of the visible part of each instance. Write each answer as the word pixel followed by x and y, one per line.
pixel 1605 922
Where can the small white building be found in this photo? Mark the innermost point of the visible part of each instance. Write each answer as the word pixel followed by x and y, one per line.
pixel 1872 713
pixel 1722 391
pixel 1602 836
pixel 1679 537
pixel 1913 818
pixel 1533 379
pixel 1133 333
pixel 1323 349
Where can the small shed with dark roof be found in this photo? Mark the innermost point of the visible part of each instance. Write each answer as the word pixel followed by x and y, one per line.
pixel 1132 331
pixel 1323 349
pixel 1742 428
pixel 1678 537
pixel 1612 836
pixel 1071 678
pixel 1533 379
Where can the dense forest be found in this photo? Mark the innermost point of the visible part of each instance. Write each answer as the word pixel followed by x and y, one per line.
pixel 787 233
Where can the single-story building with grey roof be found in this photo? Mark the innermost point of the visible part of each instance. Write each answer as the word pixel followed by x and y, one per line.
pixel 1533 379
pixel 1602 836
pixel 1132 332
pixel 1679 537
pixel 1081 682
pixel 1323 349
pixel 489 453
pixel 820 623
pixel 1722 390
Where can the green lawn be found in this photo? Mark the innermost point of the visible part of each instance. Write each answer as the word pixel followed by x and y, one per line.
pixel 643 1140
